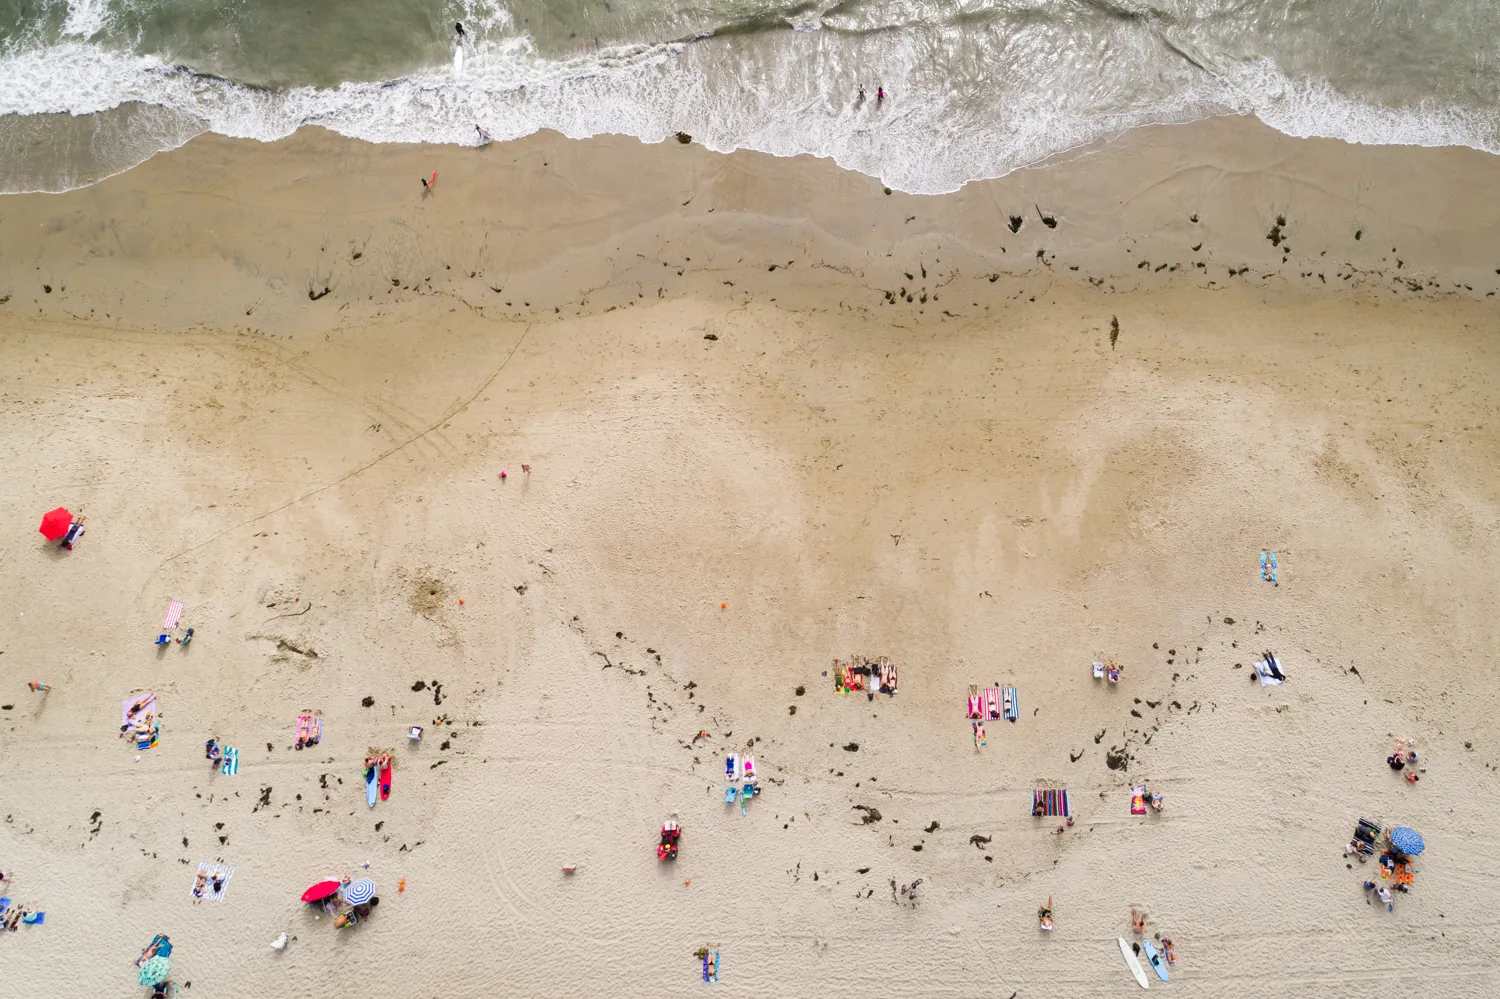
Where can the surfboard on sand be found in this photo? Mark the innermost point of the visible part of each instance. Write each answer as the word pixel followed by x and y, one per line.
pixel 1135 965
pixel 385 782
pixel 370 787
pixel 1157 960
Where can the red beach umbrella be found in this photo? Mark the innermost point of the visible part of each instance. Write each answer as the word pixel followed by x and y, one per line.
pixel 320 891
pixel 55 523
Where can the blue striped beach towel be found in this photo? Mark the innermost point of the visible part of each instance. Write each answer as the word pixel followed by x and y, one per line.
pixel 231 764
pixel 1012 704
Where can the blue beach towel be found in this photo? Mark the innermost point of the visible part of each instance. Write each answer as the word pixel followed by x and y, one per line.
pixel 231 764
pixel 1014 711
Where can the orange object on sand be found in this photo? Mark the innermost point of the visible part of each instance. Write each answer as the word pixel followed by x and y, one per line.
pixel 401 885
pixel 722 606
pixel 687 881
pixel 460 601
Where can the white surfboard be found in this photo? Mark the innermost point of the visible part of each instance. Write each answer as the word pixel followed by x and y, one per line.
pixel 458 60
pixel 1134 963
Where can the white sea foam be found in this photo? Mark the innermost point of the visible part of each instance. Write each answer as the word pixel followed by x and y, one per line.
pixel 86 18
pixel 923 140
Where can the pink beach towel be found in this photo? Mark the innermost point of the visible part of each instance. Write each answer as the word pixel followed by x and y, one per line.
pixel 174 614
pixel 142 704
pixel 1138 800
pixel 974 708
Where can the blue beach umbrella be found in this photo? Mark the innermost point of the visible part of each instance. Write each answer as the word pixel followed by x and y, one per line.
pixel 359 892
pixel 1407 840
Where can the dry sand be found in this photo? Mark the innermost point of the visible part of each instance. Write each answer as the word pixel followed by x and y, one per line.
pixel 705 362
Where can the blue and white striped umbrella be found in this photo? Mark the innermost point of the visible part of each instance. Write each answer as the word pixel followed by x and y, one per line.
pixel 1407 840
pixel 359 892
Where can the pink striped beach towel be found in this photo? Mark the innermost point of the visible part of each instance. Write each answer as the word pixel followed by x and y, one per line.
pixel 992 702
pixel 174 614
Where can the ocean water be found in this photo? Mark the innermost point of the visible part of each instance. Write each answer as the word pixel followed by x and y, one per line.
pixel 974 88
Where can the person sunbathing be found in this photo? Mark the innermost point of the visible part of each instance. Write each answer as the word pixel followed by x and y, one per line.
pixel 1044 914
pixel 1138 919
pixel 198 886
pixel 1168 949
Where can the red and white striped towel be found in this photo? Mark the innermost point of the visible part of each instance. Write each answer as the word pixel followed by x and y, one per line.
pixel 174 614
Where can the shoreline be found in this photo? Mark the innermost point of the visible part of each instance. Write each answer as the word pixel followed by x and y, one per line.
pixel 750 458
pixel 1388 221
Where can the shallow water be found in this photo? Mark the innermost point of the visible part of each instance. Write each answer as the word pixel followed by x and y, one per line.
pixel 976 88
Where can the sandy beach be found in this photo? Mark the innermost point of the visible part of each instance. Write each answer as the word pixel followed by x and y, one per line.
pixel 775 416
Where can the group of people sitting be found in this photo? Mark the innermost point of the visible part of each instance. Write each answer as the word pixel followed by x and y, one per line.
pixel 140 721
pixel 1405 755
pixel 11 917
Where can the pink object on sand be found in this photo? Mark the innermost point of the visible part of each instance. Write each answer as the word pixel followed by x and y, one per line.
pixel 974 709
pixel 992 703
pixel 174 615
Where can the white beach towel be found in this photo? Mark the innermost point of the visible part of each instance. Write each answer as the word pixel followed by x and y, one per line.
pixel 213 870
